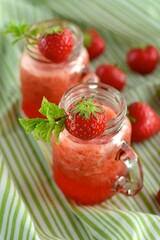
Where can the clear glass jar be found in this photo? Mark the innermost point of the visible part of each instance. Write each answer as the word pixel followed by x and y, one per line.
pixel 89 172
pixel 41 77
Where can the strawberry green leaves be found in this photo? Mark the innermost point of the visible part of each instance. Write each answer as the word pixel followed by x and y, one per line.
pixel 52 30
pixel 86 119
pixel 43 128
pixel 87 106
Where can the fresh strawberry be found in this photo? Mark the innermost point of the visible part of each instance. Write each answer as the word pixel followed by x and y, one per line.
pixel 94 43
pixel 111 75
pixel 145 121
pixel 56 44
pixel 86 119
pixel 143 61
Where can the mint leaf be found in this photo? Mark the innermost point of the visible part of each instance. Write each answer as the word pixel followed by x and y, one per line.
pixel 23 30
pixel 43 128
pixel 51 111
pixel 30 124
pixel 18 31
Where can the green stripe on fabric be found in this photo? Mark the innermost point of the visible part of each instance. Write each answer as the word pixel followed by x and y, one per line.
pixel 11 206
pixel 30 188
pixel 4 201
pixel 20 188
pixel 154 225
pixel 22 225
pixel 91 224
pixel 112 223
pixel 1 169
pixel 29 230
pixel 149 233
pixel 13 229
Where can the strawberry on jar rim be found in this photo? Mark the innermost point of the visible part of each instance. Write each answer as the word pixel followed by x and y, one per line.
pixel 94 43
pixel 145 121
pixel 56 44
pixel 143 60
pixel 86 119
pixel 112 75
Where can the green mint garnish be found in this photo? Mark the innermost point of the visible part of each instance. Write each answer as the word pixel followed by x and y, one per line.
pixel 23 30
pixel 43 128
pixel 86 107
pixel 18 31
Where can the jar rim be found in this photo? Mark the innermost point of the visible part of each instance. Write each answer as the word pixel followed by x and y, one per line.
pixel 76 33
pixel 105 94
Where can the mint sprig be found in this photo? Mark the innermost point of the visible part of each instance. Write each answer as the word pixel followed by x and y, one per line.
pixel 18 31
pixel 25 30
pixel 43 128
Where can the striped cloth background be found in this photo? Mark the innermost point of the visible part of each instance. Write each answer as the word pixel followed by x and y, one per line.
pixel 31 206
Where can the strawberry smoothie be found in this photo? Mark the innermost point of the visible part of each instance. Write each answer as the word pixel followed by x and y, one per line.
pixel 86 171
pixel 90 171
pixel 41 77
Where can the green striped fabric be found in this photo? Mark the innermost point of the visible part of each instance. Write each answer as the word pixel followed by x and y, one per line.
pixel 31 206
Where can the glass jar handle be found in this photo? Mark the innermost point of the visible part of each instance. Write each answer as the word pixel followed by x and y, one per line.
pixel 132 182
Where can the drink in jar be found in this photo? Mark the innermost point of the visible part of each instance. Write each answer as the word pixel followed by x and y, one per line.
pixel 89 172
pixel 40 77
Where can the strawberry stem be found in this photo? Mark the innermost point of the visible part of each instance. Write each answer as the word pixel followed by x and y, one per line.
pixel 52 30
pixel 87 106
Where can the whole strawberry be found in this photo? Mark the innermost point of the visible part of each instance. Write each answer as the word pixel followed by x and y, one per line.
pixel 86 119
pixel 94 43
pixel 145 122
pixel 56 44
pixel 143 61
pixel 111 75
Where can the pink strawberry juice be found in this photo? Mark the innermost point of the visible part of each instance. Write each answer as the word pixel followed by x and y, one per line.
pixel 41 77
pixel 87 171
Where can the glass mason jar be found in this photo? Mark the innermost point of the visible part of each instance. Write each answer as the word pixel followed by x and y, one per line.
pixel 41 77
pixel 89 172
